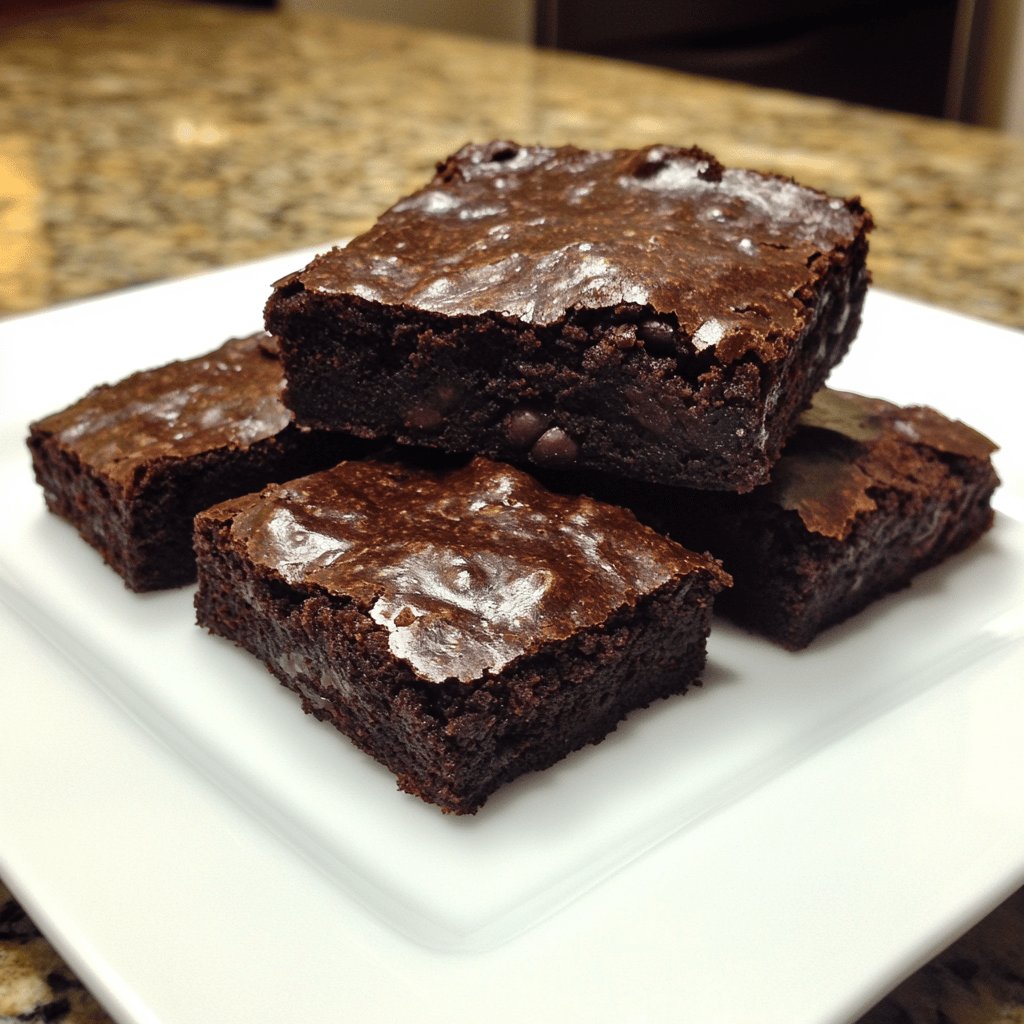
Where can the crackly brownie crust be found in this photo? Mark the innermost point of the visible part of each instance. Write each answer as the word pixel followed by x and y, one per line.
pixel 461 626
pixel 130 464
pixel 646 313
pixel 866 495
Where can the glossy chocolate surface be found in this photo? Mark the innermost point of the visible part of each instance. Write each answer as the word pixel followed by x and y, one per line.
pixel 467 569
pixel 847 444
pixel 533 233
pixel 230 397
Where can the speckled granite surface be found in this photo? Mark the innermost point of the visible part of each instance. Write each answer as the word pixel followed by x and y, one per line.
pixel 140 142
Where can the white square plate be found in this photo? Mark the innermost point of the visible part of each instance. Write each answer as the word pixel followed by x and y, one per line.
pixel 781 845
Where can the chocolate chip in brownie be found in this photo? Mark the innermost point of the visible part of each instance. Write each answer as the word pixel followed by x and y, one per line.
pixel 555 448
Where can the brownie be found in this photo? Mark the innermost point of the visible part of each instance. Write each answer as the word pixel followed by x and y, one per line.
pixel 130 464
pixel 866 496
pixel 461 626
pixel 646 313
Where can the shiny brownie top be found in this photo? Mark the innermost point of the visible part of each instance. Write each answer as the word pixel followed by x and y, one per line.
pixel 466 569
pixel 230 397
pixel 848 446
pixel 533 233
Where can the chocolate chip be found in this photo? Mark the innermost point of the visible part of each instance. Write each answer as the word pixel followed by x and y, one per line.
pixel 524 426
pixel 658 336
pixel 428 414
pixel 554 448
pixel 645 411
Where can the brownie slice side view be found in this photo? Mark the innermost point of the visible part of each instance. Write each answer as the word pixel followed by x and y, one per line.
pixel 130 464
pixel 462 627
pixel 645 313
pixel 866 496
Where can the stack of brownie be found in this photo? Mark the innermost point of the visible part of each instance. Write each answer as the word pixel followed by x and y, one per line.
pixel 645 328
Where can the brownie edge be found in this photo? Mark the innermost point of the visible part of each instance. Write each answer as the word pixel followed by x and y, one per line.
pixel 462 626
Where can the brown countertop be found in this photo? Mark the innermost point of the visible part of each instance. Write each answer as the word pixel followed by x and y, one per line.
pixel 147 141
pixel 140 142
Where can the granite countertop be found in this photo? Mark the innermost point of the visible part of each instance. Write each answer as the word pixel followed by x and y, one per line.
pixel 140 142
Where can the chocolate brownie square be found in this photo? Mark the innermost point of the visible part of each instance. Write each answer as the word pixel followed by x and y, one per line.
pixel 462 626
pixel 130 464
pixel 646 313
pixel 866 496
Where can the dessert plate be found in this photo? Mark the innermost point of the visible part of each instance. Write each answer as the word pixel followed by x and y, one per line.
pixel 783 844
